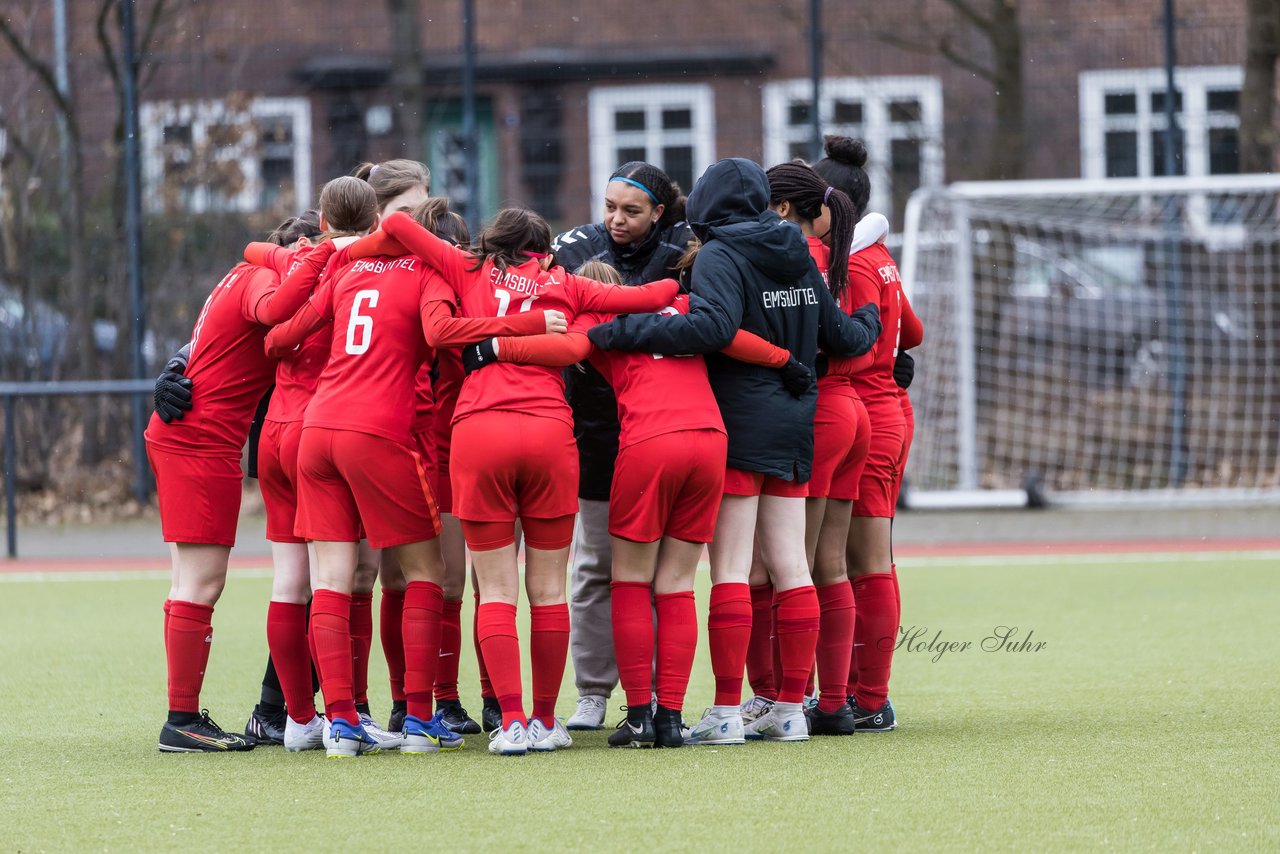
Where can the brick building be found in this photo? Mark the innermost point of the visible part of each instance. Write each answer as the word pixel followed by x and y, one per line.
pixel 246 105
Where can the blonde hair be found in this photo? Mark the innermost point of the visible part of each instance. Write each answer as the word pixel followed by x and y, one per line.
pixel 393 177
pixel 601 272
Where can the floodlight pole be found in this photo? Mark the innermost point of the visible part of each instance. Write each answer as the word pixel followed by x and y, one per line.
pixel 815 80
pixel 133 235
pixel 1178 454
pixel 469 137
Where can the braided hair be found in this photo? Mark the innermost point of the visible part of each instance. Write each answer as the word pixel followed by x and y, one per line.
pixel 806 191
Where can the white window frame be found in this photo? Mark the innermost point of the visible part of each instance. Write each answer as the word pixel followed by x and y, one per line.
pixel 876 130
pixel 155 116
pixel 605 101
pixel 1195 120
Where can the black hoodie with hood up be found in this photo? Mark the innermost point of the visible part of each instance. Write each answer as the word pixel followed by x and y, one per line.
pixel 753 272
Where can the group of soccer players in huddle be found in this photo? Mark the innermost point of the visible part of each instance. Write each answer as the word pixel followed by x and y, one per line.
pixel 726 371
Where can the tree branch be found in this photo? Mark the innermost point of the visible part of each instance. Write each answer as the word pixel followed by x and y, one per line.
pixel 108 49
pixel 148 38
pixel 41 70
pixel 948 52
pixel 974 17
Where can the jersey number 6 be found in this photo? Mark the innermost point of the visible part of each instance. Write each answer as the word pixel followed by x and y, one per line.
pixel 361 325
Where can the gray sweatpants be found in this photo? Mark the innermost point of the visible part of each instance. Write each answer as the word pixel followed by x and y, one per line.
pixel 590 623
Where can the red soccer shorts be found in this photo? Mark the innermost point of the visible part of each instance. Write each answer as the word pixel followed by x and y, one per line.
pixel 346 477
pixel 743 482
pixel 278 478
pixel 506 464
pixel 847 480
pixel 670 485
pixel 199 496
pixel 909 417
pixel 425 443
pixel 835 425
pixel 882 476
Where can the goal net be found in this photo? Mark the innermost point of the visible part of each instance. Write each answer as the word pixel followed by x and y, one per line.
pixel 1109 340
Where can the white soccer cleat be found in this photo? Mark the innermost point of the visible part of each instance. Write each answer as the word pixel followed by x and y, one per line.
pixel 784 722
pixel 386 740
pixel 342 740
pixel 545 740
pixel 308 736
pixel 756 707
pixel 590 713
pixel 719 725
pixel 509 741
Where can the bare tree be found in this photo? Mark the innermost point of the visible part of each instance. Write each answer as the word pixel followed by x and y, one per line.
pixel 996 23
pixel 406 76
pixel 71 207
pixel 1258 134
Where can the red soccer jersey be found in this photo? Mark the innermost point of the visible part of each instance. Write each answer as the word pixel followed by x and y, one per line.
pixel 228 370
pixel 492 292
pixel 298 370
pixel 448 384
pixel 377 343
pixel 873 277
pixel 835 381
pixel 424 402
pixel 647 384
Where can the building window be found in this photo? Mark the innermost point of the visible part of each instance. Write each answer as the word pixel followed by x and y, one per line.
pixel 235 154
pixel 898 118
pixel 1123 129
pixel 669 126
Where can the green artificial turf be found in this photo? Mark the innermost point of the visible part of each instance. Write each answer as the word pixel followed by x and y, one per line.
pixel 1148 720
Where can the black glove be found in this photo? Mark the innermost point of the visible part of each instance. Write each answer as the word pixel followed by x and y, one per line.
pixel 612 335
pixel 904 369
pixel 797 378
pixel 477 356
pixel 821 364
pixel 173 391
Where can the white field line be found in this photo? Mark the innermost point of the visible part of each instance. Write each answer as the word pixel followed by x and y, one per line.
pixel 930 562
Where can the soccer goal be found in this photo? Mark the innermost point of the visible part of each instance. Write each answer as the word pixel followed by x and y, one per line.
pixel 1100 340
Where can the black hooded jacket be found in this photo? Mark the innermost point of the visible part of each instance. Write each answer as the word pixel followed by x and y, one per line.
pixel 753 272
pixel 595 409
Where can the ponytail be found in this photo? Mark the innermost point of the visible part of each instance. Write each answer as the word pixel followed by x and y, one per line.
pixel 808 192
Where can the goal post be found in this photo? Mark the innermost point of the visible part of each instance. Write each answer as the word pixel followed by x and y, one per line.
pixel 1096 341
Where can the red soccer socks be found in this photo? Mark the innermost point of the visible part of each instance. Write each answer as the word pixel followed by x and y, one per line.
pixel 361 642
pixel 728 633
pixel 874 634
pixel 450 648
pixel 188 635
pixel 331 636
pixel 423 602
pixel 797 633
pixel 390 622
pixel 631 609
pixel 549 650
pixel 760 673
pixel 677 641
pixel 835 643
pixel 287 640
pixel 496 631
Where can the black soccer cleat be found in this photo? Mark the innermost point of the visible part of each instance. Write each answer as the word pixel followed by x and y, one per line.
pixel 395 723
pixel 491 715
pixel 201 736
pixel 456 719
pixel 636 730
pixel 880 720
pixel 265 728
pixel 668 728
pixel 839 722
